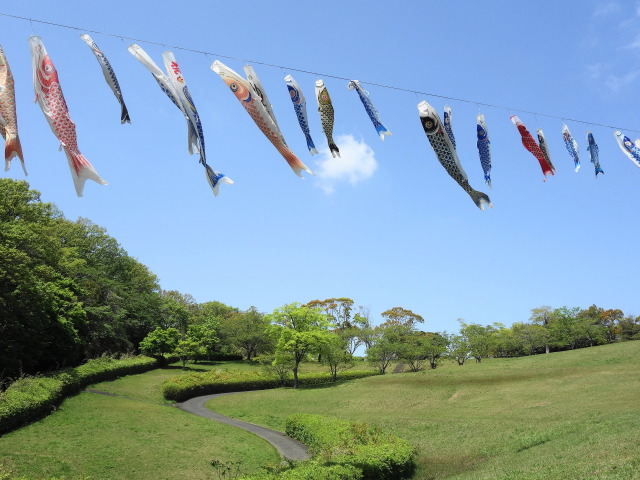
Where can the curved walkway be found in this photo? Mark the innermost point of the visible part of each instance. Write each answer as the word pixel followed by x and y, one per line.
pixel 288 448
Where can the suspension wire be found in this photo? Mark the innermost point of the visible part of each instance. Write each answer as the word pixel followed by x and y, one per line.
pixel 320 74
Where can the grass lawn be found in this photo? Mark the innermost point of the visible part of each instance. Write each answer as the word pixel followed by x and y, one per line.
pixel 116 438
pixel 572 414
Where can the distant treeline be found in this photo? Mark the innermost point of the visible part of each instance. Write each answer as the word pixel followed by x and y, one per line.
pixel 69 292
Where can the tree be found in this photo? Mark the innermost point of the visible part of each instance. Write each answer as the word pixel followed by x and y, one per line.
pixel 161 342
pixel 459 349
pixel 630 328
pixel 365 330
pixel 335 355
pixel 42 320
pixel 204 334
pixel 401 316
pixel 178 310
pixel 188 349
pixel 542 316
pixel 435 345
pixel 479 339
pixel 245 332
pixel 389 344
pixel 611 320
pixel 337 310
pixel 530 337
pixel 300 331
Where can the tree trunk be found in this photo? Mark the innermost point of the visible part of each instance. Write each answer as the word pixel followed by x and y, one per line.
pixel 295 376
pixel 546 349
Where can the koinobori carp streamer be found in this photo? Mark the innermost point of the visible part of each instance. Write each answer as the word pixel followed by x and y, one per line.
pixel 530 144
pixel 252 103
pixel 325 109
pixel 54 107
pixel 572 146
pixel 484 148
pixel 374 116
pixel 446 153
pixel 630 149
pixel 594 151
pixel 300 107
pixel 8 115
pixel 109 76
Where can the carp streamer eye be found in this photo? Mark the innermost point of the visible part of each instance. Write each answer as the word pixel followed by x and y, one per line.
pixel 48 68
pixel 233 87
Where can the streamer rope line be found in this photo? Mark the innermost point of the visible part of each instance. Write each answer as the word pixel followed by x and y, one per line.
pixel 320 74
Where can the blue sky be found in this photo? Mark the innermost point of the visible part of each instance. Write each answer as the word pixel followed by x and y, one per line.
pixel 387 227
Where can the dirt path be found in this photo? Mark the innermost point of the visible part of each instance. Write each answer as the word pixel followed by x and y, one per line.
pixel 288 448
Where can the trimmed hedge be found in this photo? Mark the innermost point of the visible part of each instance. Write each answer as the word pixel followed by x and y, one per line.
pixel 30 398
pixel 344 451
pixel 184 387
pixel 378 455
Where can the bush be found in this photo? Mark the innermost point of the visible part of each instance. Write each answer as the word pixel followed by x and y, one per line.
pixel 184 387
pixel 30 398
pixel 311 470
pixel 376 454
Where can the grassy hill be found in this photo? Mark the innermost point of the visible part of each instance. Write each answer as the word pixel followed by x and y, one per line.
pixel 564 415
pixel 573 414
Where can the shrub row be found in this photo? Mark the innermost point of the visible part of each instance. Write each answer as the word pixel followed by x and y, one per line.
pixel 377 454
pixel 345 450
pixel 184 387
pixel 30 398
pixel 310 470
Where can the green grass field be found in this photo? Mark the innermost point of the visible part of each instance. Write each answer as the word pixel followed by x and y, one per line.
pixel 99 437
pixel 565 415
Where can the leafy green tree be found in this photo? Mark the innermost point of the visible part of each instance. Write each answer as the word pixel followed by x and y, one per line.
pixel 161 342
pixel 119 294
pixel 335 355
pixel 530 337
pixel 280 366
pixel 479 338
pixel 390 343
pixel 204 334
pixel 365 329
pixel 401 316
pixel 588 327
pixel 459 349
pixel 246 332
pixel 41 317
pixel 611 320
pixel 188 349
pixel 177 310
pixel 300 331
pixel 542 316
pixel 629 327
pixel 435 345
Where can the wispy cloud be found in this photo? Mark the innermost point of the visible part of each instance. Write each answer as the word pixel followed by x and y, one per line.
pixel 635 44
pixel 356 163
pixel 616 82
pixel 606 8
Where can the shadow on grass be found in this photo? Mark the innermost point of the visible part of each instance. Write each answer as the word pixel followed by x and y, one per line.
pixel 188 368
pixel 321 386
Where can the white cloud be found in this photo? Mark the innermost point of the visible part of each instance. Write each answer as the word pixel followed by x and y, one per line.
pixel 356 163
pixel 635 44
pixel 595 71
pixel 615 82
pixel 606 8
